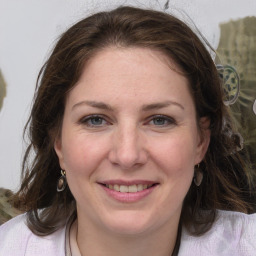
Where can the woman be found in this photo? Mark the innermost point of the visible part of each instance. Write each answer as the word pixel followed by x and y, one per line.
pixel 133 147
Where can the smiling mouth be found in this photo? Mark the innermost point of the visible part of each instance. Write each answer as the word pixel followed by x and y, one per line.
pixel 128 189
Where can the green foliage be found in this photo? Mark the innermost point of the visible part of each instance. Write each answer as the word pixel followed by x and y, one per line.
pixel 2 89
pixel 238 48
pixel 7 211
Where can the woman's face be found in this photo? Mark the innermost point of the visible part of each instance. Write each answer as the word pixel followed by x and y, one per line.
pixel 130 141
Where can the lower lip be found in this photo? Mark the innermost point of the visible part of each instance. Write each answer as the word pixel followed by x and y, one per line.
pixel 128 197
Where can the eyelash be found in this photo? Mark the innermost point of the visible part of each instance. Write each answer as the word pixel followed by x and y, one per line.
pixel 169 120
pixel 166 119
pixel 88 119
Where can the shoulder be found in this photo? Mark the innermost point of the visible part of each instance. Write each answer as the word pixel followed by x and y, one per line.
pixel 17 239
pixel 236 221
pixel 232 233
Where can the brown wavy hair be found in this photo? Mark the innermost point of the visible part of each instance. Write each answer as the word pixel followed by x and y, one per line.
pixel 224 170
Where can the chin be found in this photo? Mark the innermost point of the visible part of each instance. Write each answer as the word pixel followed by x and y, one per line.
pixel 129 224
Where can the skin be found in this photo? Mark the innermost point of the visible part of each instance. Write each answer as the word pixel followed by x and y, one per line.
pixel 128 88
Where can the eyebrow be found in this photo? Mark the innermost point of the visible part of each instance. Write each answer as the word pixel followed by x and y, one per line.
pixel 160 105
pixel 147 107
pixel 95 104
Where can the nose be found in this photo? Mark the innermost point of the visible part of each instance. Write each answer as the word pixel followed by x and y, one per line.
pixel 128 147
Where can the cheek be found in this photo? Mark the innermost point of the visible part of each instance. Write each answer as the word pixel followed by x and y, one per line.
pixel 176 155
pixel 82 157
pixel 81 154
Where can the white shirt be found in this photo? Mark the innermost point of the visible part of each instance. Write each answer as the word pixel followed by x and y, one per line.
pixel 232 234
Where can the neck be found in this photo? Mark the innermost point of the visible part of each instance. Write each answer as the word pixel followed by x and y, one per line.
pixel 97 242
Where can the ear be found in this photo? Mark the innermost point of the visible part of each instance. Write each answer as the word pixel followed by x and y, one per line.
pixel 203 138
pixel 58 150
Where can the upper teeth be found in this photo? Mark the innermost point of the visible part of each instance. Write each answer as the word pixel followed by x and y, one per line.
pixel 128 189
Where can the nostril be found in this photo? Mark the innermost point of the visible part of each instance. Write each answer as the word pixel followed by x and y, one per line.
pixel 127 151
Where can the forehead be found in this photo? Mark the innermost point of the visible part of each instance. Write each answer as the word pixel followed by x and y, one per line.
pixel 129 73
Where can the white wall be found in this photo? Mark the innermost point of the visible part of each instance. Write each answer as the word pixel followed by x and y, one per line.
pixel 28 30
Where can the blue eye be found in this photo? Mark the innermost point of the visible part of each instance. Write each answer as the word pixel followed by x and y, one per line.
pixel 94 121
pixel 161 120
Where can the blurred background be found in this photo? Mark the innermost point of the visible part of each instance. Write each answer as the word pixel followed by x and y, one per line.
pixel 29 29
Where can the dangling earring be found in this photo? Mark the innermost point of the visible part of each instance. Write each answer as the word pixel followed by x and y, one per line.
pixel 198 176
pixel 62 182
